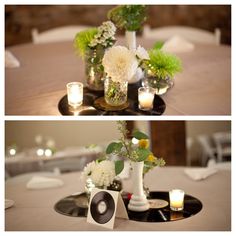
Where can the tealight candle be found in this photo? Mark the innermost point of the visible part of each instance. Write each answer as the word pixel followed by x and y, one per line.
pixel 75 93
pixel 145 98
pixel 176 200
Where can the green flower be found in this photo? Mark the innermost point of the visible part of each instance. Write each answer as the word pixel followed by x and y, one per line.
pixel 83 39
pixel 162 64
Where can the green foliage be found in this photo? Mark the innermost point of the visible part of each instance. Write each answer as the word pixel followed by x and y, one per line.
pixel 149 165
pixel 142 153
pixel 91 146
pixel 113 148
pixel 163 64
pixel 128 17
pixel 119 166
pixel 158 45
pixel 83 39
pixel 139 135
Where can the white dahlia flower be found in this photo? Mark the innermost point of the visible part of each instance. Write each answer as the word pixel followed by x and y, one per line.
pixel 120 63
pixel 142 53
pixel 103 173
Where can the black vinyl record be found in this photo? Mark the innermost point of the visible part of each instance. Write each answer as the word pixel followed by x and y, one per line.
pixel 102 207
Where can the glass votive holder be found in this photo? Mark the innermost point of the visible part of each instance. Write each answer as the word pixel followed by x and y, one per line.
pixel 146 98
pixel 75 94
pixel 176 200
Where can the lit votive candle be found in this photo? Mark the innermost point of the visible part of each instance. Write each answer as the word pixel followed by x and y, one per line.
pixel 176 200
pixel 75 93
pixel 145 98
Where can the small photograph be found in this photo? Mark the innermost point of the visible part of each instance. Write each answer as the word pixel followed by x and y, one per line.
pixel 148 60
pixel 120 175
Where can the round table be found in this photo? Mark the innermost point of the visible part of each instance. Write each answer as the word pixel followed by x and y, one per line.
pixel 35 88
pixel 34 209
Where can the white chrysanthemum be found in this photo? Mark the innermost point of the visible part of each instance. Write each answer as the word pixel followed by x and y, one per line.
pixel 142 53
pixel 120 63
pixel 105 35
pixel 103 173
pixel 88 169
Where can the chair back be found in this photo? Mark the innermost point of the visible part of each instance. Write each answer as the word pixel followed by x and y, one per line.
pixel 59 34
pixel 207 148
pixel 194 35
pixel 223 145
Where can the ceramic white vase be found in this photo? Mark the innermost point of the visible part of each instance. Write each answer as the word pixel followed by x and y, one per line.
pixel 138 201
pixel 130 37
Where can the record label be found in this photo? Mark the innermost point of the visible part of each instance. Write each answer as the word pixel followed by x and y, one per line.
pixel 102 207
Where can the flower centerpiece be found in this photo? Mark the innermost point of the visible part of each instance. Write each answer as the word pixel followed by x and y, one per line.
pixel 91 44
pixel 120 65
pixel 138 154
pixel 160 68
pixel 102 173
pixel 130 18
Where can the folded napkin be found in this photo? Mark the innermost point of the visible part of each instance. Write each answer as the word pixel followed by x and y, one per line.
pixel 40 182
pixel 199 173
pixel 8 203
pixel 219 165
pixel 177 44
pixel 10 60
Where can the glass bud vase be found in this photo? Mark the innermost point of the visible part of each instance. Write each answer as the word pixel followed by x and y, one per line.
pixel 161 85
pixel 115 92
pixel 138 201
pixel 94 69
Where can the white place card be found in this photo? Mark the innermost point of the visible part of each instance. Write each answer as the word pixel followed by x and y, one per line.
pixel 104 207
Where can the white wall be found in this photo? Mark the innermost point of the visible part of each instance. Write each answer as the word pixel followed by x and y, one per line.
pixel 65 133
pixel 82 133
pixel 194 128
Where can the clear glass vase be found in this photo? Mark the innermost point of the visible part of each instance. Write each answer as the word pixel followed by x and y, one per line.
pixel 161 85
pixel 94 69
pixel 115 92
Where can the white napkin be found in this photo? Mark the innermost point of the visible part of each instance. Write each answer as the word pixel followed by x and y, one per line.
pixel 219 165
pixel 199 173
pixel 10 60
pixel 8 203
pixel 40 182
pixel 177 44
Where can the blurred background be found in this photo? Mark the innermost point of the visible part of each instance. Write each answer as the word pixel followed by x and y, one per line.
pixel 63 145
pixel 20 20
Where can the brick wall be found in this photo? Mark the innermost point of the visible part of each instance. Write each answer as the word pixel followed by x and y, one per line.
pixel 19 20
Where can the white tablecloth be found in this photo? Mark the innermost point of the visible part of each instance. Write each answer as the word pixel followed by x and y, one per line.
pixel 203 88
pixel 33 209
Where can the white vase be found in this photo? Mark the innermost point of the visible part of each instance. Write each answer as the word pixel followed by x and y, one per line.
pixel 138 201
pixel 130 37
